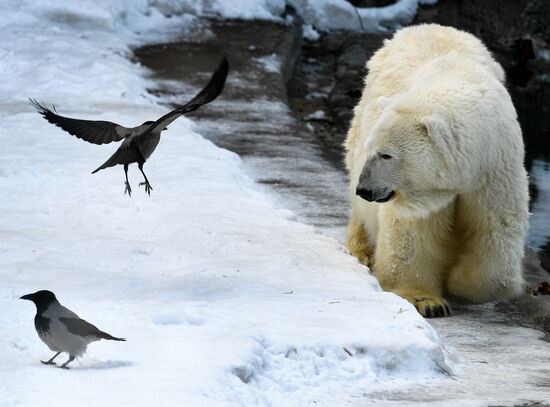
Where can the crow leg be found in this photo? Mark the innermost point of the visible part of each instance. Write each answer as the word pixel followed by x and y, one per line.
pixel 128 189
pixel 51 362
pixel 148 187
pixel 64 365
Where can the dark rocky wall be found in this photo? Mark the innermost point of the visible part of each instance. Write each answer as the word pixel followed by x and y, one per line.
pixel 518 34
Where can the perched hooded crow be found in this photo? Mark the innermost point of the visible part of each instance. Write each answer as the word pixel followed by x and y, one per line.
pixel 139 142
pixel 61 329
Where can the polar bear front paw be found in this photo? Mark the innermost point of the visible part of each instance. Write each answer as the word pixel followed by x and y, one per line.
pixel 431 307
pixel 428 305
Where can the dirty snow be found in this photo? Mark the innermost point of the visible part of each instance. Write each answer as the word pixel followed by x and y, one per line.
pixel 322 15
pixel 327 15
pixel 151 21
pixel 224 300
pixel 310 33
pixel 270 63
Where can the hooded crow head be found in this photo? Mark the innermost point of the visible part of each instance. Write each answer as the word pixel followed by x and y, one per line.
pixel 41 299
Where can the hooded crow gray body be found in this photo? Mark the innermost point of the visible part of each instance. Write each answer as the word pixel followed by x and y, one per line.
pixel 138 142
pixel 61 329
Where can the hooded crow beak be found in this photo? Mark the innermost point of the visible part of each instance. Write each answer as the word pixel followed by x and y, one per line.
pixel 26 297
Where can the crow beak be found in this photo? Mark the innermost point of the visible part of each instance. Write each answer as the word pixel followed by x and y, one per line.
pixel 26 297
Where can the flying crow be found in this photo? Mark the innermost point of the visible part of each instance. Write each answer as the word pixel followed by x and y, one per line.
pixel 139 142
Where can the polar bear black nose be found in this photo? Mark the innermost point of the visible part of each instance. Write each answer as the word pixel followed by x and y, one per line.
pixel 367 194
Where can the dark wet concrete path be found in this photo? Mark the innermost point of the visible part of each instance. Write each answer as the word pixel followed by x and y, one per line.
pixel 252 117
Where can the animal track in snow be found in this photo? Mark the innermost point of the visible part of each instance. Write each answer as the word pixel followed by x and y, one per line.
pixel 287 368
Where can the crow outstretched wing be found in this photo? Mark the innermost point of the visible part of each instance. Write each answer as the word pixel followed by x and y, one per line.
pixel 102 132
pixel 212 89
pixel 92 131
pixel 210 92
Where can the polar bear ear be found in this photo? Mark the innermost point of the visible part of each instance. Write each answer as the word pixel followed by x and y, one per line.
pixel 437 127
pixel 383 102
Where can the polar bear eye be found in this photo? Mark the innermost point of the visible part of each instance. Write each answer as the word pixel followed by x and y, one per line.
pixel 385 156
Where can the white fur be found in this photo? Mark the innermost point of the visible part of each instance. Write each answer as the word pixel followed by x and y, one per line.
pixel 434 98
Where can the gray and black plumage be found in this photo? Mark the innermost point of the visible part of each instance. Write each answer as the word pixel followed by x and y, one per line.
pixel 61 329
pixel 139 142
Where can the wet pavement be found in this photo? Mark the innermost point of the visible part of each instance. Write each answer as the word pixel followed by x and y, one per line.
pixel 289 142
pixel 279 150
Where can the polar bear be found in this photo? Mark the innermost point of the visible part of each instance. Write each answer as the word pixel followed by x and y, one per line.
pixel 435 160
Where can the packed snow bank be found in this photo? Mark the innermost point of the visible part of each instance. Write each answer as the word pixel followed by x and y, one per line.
pixel 224 301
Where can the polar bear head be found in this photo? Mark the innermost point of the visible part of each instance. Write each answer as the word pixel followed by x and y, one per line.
pixel 413 160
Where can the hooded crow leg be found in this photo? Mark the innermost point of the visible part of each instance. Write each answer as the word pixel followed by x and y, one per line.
pixel 51 362
pixel 64 365
pixel 128 189
pixel 148 187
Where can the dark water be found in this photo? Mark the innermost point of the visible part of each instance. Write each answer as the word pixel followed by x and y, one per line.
pixel 538 237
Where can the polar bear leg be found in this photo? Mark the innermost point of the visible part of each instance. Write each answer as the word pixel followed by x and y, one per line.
pixel 357 240
pixel 488 271
pixel 412 259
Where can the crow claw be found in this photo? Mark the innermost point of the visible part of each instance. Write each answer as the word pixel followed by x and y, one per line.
pixel 128 189
pixel 148 187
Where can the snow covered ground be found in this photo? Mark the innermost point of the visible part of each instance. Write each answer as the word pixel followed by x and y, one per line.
pixel 223 299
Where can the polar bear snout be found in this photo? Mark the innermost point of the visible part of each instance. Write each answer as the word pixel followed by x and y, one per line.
pixel 375 195
pixel 373 184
